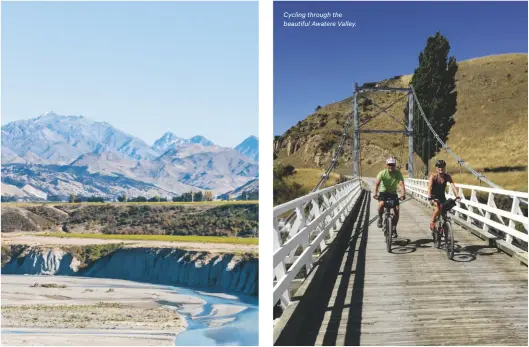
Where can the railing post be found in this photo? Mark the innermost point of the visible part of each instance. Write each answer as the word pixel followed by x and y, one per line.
pixel 514 209
pixel 471 208
pixel 490 202
pixel 280 270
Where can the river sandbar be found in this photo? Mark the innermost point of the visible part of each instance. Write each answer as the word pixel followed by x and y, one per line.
pixel 52 304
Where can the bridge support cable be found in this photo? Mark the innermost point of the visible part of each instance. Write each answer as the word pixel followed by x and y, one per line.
pixel 460 161
pixel 336 155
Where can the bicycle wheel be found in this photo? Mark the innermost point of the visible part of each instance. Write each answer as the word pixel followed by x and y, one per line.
pixel 389 233
pixel 439 236
pixel 436 237
pixel 449 240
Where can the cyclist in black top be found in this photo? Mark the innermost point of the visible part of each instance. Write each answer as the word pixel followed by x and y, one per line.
pixel 437 188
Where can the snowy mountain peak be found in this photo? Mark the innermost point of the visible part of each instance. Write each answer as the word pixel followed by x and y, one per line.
pixel 200 140
pixel 52 115
pixel 168 136
pixel 49 113
pixel 249 147
pixel 167 140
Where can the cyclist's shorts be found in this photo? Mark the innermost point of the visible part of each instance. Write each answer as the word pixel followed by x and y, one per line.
pixel 382 196
pixel 442 199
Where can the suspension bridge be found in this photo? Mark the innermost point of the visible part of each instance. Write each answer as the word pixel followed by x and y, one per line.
pixel 335 283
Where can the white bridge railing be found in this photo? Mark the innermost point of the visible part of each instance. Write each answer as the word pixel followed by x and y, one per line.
pixel 318 216
pixel 509 226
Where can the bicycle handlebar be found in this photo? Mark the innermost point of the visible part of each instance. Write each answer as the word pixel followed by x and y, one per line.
pixel 402 198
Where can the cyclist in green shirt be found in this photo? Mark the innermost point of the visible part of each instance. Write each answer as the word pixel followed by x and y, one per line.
pixel 390 178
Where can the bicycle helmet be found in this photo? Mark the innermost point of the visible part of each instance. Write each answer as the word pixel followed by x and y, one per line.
pixel 440 163
pixel 391 161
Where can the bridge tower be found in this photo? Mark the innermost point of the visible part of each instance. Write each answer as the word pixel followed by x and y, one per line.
pixel 408 131
pixel 356 133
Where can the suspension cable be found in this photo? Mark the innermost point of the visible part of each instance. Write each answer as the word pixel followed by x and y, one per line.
pixel 460 161
pixel 336 155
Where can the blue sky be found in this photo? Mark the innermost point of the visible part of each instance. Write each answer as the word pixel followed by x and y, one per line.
pixel 145 68
pixel 317 66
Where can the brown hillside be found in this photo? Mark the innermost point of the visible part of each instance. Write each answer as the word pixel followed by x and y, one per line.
pixel 490 133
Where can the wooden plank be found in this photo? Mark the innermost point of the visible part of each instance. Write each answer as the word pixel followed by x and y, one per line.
pixel 415 295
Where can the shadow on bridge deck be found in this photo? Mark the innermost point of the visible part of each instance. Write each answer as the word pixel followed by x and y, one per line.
pixel 305 324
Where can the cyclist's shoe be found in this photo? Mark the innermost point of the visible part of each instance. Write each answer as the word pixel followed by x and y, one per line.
pixel 394 233
pixel 379 223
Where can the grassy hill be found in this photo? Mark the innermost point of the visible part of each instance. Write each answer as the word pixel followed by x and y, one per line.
pixel 490 133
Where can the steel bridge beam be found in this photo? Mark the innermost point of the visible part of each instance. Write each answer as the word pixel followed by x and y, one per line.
pixel 385 131
pixel 383 89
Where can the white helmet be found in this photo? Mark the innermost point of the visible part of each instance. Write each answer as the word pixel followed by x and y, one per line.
pixel 391 160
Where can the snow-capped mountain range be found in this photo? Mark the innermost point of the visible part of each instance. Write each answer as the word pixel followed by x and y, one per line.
pixel 62 155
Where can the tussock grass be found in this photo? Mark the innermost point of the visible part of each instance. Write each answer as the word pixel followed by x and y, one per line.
pixel 49 285
pixel 308 178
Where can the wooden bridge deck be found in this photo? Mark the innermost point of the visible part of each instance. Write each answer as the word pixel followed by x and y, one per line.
pixel 415 295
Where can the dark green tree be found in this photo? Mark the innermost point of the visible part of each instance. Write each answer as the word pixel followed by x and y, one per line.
pixel 434 81
pixel 123 198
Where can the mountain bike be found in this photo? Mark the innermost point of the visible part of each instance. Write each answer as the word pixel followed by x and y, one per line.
pixel 387 224
pixel 442 233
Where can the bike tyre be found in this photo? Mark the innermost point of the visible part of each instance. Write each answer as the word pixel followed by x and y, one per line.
pixel 440 239
pixel 389 234
pixel 449 240
pixel 436 238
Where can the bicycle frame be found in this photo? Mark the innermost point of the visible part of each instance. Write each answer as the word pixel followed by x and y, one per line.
pixel 440 233
pixel 388 210
pixel 443 218
pixel 443 215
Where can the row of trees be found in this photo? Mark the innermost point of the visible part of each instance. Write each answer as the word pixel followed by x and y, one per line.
pixel 79 198
pixel 185 197
pixel 195 196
